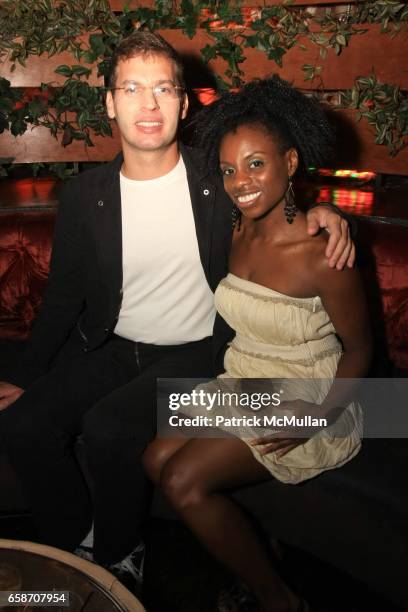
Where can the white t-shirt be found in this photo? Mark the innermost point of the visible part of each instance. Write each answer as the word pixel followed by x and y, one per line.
pixel 166 297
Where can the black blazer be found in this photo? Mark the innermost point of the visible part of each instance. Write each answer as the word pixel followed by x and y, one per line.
pixel 85 281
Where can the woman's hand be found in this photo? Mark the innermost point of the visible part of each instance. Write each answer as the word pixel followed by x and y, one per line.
pixel 281 446
pixel 9 394
pixel 297 434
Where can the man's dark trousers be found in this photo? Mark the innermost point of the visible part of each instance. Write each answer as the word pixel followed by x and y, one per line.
pixel 108 395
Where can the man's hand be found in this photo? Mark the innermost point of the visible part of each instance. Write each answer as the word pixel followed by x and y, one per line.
pixel 9 394
pixel 340 248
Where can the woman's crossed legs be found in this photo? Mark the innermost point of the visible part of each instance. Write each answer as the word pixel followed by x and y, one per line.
pixel 193 473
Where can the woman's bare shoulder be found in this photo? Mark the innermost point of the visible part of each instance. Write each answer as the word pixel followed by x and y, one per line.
pixel 315 265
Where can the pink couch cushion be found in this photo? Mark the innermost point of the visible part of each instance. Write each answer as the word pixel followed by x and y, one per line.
pixel 25 249
pixel 385 247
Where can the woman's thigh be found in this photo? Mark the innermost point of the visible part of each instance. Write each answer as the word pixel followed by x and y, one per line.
pixel 212 464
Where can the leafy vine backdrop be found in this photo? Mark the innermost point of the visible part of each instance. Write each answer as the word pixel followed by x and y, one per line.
pixel 73 108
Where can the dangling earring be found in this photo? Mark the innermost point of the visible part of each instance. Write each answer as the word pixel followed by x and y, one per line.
pixel 290 208
pixel 236 218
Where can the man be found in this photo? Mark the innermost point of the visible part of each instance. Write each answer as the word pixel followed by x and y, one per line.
pixel 140 245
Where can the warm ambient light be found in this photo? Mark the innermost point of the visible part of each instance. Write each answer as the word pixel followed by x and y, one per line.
pixel 248 16
pixel 206 95
pixel 354 201
pixel 354 174
pixel 33 191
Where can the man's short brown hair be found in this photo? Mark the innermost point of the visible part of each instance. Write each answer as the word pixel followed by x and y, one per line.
pixel 144 42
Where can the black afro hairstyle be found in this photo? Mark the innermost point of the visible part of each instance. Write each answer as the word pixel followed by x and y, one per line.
pixel 293 118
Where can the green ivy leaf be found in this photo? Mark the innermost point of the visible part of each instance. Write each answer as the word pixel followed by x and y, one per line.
pixel 341 39
pixel 36 109
pixel 77 135
pixel 67 136
pixel 355 97
pixel 104 68
pixel 208 53
pixel 97 45
pixel 89 56
pixel 18 127
pixel 88 140
pixel 36 167
pixel 63 101
pixel 81 70
pixel 251 41
pixel 104 128
pixel 83 119
pixel 64 70
pixel 4 124
pixel 277 54
pixel 6 104
pixel 260 45
pixel 190 25
pixel 61 170
pixel 323 53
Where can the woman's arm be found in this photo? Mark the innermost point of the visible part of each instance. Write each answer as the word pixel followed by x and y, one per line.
pixel 343 297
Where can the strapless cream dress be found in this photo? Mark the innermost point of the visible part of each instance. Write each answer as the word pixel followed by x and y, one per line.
pixel 282 337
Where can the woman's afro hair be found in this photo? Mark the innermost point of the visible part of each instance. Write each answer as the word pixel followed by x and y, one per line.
pixel 291 117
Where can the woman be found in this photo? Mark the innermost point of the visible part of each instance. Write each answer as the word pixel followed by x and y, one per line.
pixel 288 308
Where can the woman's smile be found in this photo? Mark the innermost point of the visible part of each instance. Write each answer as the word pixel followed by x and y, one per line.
pixel 247 199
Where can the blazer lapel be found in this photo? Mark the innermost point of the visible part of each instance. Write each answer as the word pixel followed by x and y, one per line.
pixel 202 193
pixel 108 227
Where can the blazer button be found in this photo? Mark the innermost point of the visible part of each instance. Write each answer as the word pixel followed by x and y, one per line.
pixel 206 192
pixel 100 203
pixel 106 330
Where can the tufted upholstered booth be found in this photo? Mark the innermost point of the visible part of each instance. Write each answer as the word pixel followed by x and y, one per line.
pixel 356 517
pixel 27 214
pixel 26 228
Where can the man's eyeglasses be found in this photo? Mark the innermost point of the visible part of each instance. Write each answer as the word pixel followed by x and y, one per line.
pixel 162 91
